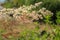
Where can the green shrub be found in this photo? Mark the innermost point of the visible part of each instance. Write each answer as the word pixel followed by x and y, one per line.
pixel 58 17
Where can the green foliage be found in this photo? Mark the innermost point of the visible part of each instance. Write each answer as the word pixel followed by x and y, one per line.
pixel 8 5
pixel 29 2
pixel 52 5
pixel 48 19
pixel 58 17
pixel 21 2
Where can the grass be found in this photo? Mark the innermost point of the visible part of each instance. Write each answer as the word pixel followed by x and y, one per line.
pixel 31 31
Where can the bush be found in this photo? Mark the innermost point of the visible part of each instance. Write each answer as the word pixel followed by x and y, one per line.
pixel 58 17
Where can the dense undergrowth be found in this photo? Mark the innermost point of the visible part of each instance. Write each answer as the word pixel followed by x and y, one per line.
pixel 29 22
